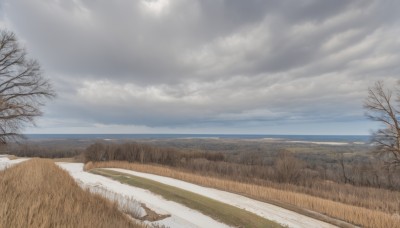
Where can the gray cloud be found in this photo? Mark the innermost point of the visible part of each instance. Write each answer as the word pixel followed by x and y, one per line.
pixel 178 64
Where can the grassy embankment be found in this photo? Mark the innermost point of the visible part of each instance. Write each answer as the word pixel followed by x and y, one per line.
pixel 353 214
pixel 222 212
pixel 37 193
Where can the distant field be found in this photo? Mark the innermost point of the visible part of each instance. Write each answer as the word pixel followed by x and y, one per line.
pixel 222 212
pixel 37 193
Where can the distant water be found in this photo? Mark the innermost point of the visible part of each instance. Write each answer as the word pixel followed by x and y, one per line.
pixel 311 138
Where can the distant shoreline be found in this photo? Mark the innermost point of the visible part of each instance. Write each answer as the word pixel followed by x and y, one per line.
pixel 302 138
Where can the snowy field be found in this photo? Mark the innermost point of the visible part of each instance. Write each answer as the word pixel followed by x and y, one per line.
pixel 322 143
pixel 130 198
pixel 268 211
pixel 181 216
pixel 6 163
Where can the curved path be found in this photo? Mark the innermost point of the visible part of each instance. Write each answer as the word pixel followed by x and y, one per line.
pixel 268 211
pixel 181 216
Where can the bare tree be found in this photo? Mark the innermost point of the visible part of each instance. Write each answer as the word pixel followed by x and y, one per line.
pixel 383 107
pixel 288 168
pixel 340 159
pixel 23 89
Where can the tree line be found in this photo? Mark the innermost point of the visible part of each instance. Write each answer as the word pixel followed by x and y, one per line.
pixel 143 153
pixel 282 167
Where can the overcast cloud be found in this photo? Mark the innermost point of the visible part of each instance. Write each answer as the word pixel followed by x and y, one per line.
pixel 210 66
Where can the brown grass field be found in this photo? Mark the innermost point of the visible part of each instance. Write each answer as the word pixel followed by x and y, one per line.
pixel 37 193
pixel 363 216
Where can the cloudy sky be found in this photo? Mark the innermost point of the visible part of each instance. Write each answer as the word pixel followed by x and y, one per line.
pixel 208 66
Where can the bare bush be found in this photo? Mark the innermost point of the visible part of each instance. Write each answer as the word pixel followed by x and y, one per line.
pixel 288 168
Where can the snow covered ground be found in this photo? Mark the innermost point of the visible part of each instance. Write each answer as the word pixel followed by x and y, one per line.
pixel 322 143
pixel 6 163
pixel 181 216
pixel 268 211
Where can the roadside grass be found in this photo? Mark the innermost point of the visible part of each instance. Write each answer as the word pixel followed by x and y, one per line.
pixel 37 193
pixel 291 200
pixel 220 211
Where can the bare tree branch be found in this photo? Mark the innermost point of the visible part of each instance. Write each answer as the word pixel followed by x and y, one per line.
pixel 23 89
pixel 381 107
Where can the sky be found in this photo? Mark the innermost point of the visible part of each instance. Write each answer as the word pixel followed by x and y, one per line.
pixel 209 66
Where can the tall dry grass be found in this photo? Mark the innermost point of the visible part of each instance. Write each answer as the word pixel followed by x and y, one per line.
pixel 37 193
pixel 353 214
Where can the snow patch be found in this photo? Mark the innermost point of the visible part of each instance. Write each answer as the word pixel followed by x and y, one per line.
pixel 5 162
pixel 322 143
pixel 181 216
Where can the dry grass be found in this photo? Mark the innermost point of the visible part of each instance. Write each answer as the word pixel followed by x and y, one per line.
pixel 37 193
pixel 12 157
pixel 372 198
pixel 71 160
pixel 346 212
